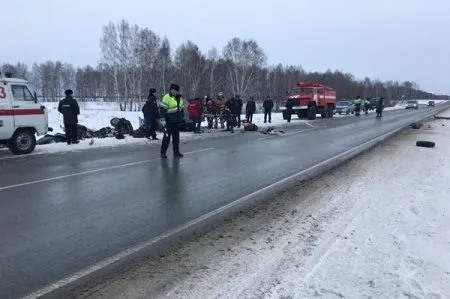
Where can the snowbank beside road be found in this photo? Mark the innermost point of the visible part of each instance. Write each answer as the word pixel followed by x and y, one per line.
pixel 98 115
pixel 378 226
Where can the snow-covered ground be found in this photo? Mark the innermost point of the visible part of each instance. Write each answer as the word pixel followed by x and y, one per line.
pixel 95 115
pixel 376 227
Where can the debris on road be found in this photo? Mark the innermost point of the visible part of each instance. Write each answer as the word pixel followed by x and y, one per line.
pixel 425 144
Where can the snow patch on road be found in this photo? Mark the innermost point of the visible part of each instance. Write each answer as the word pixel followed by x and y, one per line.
pixel 378 226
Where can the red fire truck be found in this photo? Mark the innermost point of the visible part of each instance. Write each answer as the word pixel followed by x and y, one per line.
pixel 308 99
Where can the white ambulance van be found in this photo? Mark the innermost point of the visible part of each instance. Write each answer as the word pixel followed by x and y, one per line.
pixel 21 116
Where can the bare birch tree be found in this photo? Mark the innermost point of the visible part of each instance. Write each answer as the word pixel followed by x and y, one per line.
pixel 244 59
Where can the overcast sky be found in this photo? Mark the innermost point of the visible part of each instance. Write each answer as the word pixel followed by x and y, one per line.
pixel 385 39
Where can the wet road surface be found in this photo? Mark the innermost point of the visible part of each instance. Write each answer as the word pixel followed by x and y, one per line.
pixel 60 213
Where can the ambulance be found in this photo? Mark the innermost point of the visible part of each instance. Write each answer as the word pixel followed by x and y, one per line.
pixel 21 116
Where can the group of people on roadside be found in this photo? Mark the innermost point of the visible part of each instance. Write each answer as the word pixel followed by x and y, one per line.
pixel 169 116
pixel 364 104
pixel 229 111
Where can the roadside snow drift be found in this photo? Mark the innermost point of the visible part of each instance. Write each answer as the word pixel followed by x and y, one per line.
pixel 378 226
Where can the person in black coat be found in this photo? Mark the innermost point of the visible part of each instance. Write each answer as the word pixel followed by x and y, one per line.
pixel 268 106
pixel 70 110
pixel 151 114
pixel 380 106
pixel 239 105
pixel 250 109
pixel 231 105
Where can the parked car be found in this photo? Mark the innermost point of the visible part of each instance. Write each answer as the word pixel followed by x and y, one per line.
pixel 412 104
pixel 431 103
pixel 346 107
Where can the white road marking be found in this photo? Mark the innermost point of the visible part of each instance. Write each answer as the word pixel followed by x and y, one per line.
pixel 91 171
pixel 124 254
pixel 108 261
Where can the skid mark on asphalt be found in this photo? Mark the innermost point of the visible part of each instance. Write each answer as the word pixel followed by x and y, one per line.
pixel 92 171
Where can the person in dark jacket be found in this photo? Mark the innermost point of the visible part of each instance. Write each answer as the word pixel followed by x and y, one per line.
pixel 172 116
pixel 250 109
pixel 151 115
pixel 380 107
pixel 70 110
pixel 239 105
pixel 268 106
pixel 231 108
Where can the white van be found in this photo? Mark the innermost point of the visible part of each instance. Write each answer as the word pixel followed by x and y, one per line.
pixel 21 116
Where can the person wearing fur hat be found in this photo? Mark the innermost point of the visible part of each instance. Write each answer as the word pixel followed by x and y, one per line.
pixel 172 116
pixel 70 110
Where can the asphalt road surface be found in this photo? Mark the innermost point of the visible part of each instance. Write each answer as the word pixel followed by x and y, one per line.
pixel 60 213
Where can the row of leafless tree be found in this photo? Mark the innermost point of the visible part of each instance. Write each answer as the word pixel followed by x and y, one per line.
pixel 135 59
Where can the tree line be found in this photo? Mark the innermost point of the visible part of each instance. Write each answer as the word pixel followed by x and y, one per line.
pixel 134 59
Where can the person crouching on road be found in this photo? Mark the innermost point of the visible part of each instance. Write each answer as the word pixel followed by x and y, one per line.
pixel 151 115
pixel 70 110
pixel 172 116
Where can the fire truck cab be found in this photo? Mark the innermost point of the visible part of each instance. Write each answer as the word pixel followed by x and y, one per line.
pixel 308 99
pixel 21 116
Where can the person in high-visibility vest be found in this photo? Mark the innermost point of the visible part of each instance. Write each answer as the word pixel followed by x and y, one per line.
pixel 172 113
pixel 358 103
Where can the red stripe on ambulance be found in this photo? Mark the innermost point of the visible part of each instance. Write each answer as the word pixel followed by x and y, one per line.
pixel 20 112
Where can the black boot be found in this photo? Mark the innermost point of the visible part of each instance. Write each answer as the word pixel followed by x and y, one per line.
pixel 163 156
pixel 177 154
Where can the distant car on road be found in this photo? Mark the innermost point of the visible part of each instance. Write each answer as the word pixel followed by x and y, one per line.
pixel 412 104
pixel 431 103
pixel 346 107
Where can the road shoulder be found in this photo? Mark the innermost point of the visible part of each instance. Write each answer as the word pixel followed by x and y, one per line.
pixel 376 226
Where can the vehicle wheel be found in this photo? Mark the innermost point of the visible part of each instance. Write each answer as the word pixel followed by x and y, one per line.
pixel 311 114
pixel 324 114
pixel 23 142
pixel 425 143
pixel 302 114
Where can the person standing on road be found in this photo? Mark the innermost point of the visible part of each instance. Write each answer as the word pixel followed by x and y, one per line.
pixel 151 115
pixel 70 110
pixel 231 107
pixel 195 111
pixel 358 103
pixel 268 106
pixel 380 106
pixel 250 109
pixel 366 105
pixel 239 105
pixel 172 116
pixel 212 113
pixel 289 106
pixel 221 100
